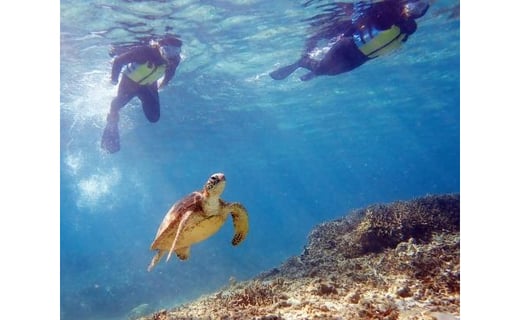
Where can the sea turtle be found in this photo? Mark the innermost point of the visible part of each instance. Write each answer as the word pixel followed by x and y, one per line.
pixel 195 218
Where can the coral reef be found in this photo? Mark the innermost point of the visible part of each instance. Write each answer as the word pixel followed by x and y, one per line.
pixel 395 261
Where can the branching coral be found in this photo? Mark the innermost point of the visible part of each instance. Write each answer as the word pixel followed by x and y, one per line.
pixel 385 226
pixel 256 294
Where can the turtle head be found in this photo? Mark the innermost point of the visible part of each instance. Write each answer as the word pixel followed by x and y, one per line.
pixel 215 184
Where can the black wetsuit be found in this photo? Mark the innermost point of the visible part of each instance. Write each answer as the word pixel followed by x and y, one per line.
pixel 145 66
pixel 345 55
pixel 148 94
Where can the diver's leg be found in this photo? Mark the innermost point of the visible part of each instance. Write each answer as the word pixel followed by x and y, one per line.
pixel 149 97
pixel 305 62
pixel 110 138
pixel 126 91
pixel 342 57
pixel 309 64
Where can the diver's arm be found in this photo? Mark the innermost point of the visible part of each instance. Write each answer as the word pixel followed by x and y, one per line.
pixel 408 27
pixel 117 65
pixel 169 73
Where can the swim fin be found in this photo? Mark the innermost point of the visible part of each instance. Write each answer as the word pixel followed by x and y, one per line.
pixel 284 72
pixel 110 139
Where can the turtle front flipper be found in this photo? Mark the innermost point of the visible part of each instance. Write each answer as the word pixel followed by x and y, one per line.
pixel 180 228
pixel 240 221
pixel 156 259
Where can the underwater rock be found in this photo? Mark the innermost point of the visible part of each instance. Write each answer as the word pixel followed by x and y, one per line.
pixel 139 311
pixel 387 261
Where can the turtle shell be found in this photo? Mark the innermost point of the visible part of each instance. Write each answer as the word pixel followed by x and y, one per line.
pixel 198 226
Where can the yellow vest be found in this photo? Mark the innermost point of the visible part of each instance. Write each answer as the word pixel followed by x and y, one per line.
pixel 383 42
pixel 144 74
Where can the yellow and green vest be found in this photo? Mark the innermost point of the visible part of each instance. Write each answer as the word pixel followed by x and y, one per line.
pixel 144 74
pixel 374 43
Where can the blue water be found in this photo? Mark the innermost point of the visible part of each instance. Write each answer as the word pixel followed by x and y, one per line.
pixel 294 153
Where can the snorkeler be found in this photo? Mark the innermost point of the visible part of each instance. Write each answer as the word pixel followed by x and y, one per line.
pixel 143 66
pixel 376 28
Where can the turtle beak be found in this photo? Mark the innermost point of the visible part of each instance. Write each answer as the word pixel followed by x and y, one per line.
pixel 217 177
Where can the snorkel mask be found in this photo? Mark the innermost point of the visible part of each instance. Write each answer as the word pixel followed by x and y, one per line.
pixel 416 8
pixel 170 48
pixel 169 52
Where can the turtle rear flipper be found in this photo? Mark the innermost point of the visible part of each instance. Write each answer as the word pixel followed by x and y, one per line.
pixel 156 259
pixel 240 222
pixel 183 253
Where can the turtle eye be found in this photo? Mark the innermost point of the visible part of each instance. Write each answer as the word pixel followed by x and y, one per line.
pixel 213 180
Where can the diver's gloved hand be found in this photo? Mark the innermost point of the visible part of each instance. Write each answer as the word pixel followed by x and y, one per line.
pixel 114 82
